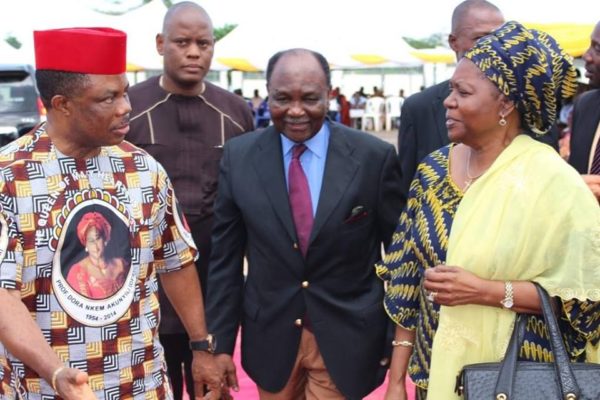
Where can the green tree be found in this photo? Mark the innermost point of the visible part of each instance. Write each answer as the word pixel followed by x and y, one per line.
pixel 435 40
pixel 13 41
pixel 222 31
pixel 119 7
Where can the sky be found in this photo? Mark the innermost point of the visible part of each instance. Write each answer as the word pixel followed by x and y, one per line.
pixel 418 18
pixel 347 22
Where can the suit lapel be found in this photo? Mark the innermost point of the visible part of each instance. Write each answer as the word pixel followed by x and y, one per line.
pixel 268 163
pixel 590 117
pixel 340 168
pixel 439 113
pixel 585 122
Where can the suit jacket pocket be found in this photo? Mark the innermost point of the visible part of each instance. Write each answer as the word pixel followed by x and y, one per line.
pixel 251 309
pixel 354 238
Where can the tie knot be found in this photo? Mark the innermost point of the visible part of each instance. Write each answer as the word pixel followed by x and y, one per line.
pixel 297 151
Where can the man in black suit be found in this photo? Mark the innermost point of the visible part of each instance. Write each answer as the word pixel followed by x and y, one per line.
pixel 585 131
pixel 310 307
pixel 423 117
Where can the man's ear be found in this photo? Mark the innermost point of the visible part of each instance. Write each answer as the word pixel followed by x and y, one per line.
pixel 61 104
pixel 452 42
pixel 160 43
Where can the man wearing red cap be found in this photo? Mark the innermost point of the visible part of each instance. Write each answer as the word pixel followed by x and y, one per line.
pixel 76 164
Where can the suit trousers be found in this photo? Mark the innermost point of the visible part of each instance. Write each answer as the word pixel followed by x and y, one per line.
pixel 178 358
pixel 309 379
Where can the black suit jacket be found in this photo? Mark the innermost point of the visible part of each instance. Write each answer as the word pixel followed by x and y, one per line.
pixel 341 293
pixel 422 129
pixel 586 116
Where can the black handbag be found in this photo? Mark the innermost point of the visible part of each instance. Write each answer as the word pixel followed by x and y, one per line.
pixel 518 380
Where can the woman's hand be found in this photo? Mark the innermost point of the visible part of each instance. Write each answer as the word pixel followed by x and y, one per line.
pixel 453 286
pixel 396 391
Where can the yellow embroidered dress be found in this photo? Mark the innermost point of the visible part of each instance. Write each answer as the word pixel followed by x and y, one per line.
pixel 421 242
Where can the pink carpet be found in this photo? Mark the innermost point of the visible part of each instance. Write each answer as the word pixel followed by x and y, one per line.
pixel 248 388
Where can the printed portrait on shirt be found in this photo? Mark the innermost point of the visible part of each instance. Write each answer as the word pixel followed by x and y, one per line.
pixel 93 279
pixel 101 273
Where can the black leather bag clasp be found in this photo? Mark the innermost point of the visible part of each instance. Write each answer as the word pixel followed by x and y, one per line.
pixel 519 380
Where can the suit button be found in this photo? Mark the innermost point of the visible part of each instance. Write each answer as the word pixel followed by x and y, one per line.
pixel 295 246
pixel 298 322
pixel 305 284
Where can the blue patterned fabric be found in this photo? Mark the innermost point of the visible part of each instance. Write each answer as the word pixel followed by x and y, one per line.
pixel 530 68
pixel 420 242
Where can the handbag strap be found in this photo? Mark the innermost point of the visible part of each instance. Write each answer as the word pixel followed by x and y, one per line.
pixel 566 379
pixel 506 376
pixel 562 363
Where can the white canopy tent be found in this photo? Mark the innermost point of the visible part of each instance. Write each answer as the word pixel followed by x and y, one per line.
pixel 249 46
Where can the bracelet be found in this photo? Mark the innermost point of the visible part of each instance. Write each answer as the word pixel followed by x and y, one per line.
pixel 509 301
pixel 55 375
pixel 403 343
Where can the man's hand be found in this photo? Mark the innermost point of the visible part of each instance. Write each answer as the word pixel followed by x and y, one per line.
pixel 72 384
pixel 593 182
pixel 227 368
pixel 206 372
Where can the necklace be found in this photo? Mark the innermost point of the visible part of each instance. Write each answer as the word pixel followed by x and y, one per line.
pixel 471 178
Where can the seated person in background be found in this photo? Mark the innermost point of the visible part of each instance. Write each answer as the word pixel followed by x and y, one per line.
pixel 334 107
pixel 344 109
pixel 357 102
pixel 256 101
pixel 377 92
pixel 263 115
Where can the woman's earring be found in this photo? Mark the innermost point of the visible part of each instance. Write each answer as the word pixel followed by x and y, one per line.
pixel 502 121
pixel 86 250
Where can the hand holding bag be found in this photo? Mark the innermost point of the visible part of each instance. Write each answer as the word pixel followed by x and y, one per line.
pixel 518 380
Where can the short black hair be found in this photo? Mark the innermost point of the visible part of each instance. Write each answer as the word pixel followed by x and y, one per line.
pixel 52 83
pixel 320 58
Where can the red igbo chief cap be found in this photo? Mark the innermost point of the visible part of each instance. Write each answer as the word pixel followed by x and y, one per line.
pixel 100 51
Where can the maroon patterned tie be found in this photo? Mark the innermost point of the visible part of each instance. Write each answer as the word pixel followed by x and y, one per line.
pixel 300 202
pixel 595 168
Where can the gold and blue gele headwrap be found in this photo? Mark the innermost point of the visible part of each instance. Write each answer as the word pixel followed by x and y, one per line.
pixel 529 68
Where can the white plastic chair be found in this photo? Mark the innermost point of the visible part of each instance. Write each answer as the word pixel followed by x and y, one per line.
pixel 356 115
pixel 392 111
pixel 374 110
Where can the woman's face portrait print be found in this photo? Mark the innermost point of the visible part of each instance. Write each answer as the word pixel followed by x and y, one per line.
pixel 93 260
